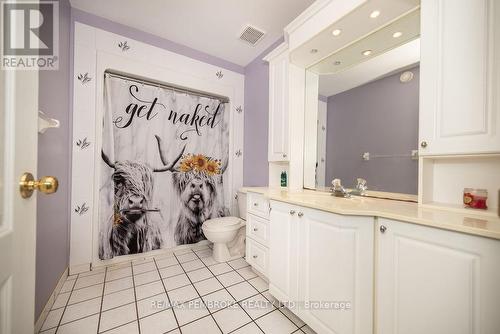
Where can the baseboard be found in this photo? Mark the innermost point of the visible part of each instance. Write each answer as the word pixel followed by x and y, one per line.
pixel 50 302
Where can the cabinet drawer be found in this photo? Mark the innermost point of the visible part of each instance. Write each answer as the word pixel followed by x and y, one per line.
pixel 258 205
pixel 258 256
pixel 258 229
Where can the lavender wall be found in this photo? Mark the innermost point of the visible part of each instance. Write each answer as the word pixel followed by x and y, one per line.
pixel 52 235
pixel 255 163
pixel 380 117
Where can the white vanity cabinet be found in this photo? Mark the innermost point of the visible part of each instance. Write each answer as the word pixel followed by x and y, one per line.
pixel 257 233
pixel 319 257
pixel 278 104
pixel 459 77
pixel 435 281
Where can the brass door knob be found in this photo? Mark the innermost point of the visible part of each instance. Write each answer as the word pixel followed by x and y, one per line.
pixel 28 184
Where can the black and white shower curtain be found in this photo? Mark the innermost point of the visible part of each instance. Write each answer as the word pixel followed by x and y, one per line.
pixel 164 155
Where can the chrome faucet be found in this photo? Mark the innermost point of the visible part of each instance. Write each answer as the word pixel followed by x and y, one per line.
pixel 338 190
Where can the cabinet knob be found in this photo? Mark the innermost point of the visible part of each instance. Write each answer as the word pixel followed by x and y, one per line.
pixel 300 214
pixel 284 155
pixel 255 229
pixel 292 212
pixel 255 204
pixel 423 144
pixel 383 228
pixel 255 256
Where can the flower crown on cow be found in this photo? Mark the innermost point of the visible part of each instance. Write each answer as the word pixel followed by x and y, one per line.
pixel 200 163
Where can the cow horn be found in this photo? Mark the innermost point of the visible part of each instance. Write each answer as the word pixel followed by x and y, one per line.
pixel 167 167
pixel 106 160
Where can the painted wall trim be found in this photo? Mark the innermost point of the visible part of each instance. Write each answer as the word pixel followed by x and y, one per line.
pixel 139 35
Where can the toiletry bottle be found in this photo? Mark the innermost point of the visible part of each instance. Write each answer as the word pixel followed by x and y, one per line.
pixel 283 179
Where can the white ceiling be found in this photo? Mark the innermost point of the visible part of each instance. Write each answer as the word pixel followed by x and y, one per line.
pixel 210 26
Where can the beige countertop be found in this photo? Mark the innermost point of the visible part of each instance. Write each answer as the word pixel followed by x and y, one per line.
pixel 475 223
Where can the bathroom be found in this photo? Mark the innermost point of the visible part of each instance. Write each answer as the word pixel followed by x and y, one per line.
pixel 298 166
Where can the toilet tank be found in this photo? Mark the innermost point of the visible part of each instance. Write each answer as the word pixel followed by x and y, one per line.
pixel 242 205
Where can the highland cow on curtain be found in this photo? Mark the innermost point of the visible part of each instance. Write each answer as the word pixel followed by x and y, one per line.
pixel 164 155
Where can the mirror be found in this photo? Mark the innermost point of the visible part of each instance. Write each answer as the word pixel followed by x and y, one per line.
pixel 361 116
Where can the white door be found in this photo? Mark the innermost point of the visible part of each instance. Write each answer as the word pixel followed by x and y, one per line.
pixel 282 251
pixel 18 154
pixel 460 77
pixel 336 272
pixel 435 281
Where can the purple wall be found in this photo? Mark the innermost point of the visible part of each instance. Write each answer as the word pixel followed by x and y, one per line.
pixel 255 162
pixel 380 117
pixel 53 212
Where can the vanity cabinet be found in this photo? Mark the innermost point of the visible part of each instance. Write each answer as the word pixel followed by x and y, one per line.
pixel 257 233
pixel 459 77
pixel 435 281
pixel 278 104
pixel 324 263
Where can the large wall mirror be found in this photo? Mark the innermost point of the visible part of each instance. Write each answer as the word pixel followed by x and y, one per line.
pixel 362 105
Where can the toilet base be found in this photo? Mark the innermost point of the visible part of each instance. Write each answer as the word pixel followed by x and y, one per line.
pixel 221 253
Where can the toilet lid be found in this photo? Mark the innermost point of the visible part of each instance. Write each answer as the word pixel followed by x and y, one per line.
pixel 222 222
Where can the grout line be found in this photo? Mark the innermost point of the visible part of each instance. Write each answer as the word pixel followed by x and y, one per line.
pixel 135 298
pixel 67 302
pixel 168 297
pixel 102 300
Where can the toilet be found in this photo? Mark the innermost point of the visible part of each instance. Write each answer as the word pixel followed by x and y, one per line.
pixel 228 233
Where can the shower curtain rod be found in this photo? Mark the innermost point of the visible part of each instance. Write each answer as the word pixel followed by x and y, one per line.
pixel 175 88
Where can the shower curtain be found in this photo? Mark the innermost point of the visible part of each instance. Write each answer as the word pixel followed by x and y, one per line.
pixel 164 156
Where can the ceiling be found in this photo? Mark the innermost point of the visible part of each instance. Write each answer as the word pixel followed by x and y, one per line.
pixel 210 26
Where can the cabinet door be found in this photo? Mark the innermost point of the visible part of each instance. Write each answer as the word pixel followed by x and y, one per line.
pixel 435 281
pixel 282 252
pixel 278 108
pixel 336 266
pixel 460 77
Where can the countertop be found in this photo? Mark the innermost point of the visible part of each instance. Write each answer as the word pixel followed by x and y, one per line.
pixel 461 221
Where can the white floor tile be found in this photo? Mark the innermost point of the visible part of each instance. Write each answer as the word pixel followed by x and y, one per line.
pixel 81 310
pixel 147 277
pixel 205 325
pixel 115 274
pixel 183 251
pixel 92 272
pixel 209 260
pixel 199 275
pixel 230 278
pixel 49 331
pixel 166 262
pixel 218 300
pixel 68 286
pixel 158 323
pixel 242 291
pixel 119 284
pixel 231 318
pixel 144 267
pixel 117 317
pixel 308 330
pixel 190 311
pixel 85 293
pixel 82 326
pixel 186 257
pixel 204 253
pixel 208 286
pixel 176 282
pixel 251 328
pixel 83 282
pixel 259 284
pixel 61 300
pixel 257 306
pixel 130 328
pixel 276 323
pixel 220 268
pixel 148 290
pixel 247 273
pixel 238 263
pixel 193 265
pixel 171 271
pixel 118 299
pixel 153 304
pixel 52 319
pixel 182 295
pixel 296 320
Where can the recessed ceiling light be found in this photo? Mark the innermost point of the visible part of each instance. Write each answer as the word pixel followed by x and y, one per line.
pixel 367 52
pixel 314 50
pixel 397 34
pixel 337 62
pixel 375 14
pixel 336 32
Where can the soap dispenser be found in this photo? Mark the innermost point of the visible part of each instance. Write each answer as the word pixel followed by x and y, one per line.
pixel 283 179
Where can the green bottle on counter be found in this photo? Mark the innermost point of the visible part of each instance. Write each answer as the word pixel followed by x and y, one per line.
pixel 283 179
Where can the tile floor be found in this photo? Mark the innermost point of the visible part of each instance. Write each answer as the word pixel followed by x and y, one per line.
pixel 206 297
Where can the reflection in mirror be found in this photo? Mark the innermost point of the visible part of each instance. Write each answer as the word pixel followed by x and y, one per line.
pixel 362 107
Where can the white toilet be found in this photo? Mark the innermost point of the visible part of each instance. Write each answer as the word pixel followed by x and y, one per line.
pixel 228 233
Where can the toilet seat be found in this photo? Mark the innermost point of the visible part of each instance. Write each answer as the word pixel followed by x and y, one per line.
pixel 222 223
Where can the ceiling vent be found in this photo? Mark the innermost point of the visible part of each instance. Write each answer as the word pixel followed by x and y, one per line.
pixel 251 35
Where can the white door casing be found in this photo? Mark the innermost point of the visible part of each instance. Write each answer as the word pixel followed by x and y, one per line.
pixel 18 154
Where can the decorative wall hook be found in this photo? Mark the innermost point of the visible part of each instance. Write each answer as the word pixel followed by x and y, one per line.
pixel 123 46
pixel 219 74
pixel 84 78
pixel 82 143
pixel 239 109
pixel 82 209
pixel 238 153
